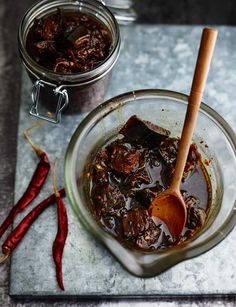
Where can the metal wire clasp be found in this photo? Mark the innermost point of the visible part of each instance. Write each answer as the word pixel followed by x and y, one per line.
pixel 62 101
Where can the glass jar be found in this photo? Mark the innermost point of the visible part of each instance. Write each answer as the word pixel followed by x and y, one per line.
pixel 56 92
pixel 168 111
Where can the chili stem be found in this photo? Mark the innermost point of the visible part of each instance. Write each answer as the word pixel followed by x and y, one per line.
pixel 26 135
pixel 54 178
pixel 6 255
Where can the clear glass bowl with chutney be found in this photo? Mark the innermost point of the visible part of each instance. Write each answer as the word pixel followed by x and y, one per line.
pixel 216 143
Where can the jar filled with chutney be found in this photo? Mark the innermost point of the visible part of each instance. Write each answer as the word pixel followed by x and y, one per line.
pixel 68 49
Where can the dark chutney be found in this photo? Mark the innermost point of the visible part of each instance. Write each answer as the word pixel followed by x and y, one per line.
pixel 67 42
pixel 128 173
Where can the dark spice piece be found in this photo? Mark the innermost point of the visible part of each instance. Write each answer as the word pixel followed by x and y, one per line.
pixel 107 198
pixel 143 132
pixel 196 216
pixel 124 160
pixel 149 237
pixel 145 196
pixel 135 222
pixel 135 180
pixel 168 151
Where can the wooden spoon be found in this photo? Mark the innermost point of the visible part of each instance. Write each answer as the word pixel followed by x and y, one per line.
pixel 169 205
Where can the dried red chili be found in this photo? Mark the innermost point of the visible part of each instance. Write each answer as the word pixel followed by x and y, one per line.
pixel 62 231
pixel 34 186
pixel 19 232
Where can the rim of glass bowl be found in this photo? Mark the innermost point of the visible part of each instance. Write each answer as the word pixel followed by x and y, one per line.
pixel 44 5
pixel 183 251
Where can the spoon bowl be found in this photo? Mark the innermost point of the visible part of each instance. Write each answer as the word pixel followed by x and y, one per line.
pixel 170 207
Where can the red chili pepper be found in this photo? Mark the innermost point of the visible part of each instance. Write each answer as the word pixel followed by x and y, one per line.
pixel 19 232
pixel 33 188
pixel 62 231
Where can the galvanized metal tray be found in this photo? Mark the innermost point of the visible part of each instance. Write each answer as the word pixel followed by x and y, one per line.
pixel 151 57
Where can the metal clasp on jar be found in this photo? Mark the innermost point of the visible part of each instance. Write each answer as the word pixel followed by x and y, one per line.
pixel 62 101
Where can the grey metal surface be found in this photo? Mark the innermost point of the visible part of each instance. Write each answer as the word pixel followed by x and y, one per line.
pixel 151 57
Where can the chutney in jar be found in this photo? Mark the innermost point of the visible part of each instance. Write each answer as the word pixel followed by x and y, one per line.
pixel 68 42
pixel 128 172
pixel 69 50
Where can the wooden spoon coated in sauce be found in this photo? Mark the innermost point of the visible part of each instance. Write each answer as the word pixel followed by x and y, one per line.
pixel 169 206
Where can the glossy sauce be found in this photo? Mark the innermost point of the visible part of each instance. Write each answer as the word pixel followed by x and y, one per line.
pixel 66 42
pixel 126 176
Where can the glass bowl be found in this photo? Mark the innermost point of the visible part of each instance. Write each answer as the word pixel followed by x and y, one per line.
pixel 215 140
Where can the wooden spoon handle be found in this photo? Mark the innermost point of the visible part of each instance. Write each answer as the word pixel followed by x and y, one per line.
pixel 205 53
